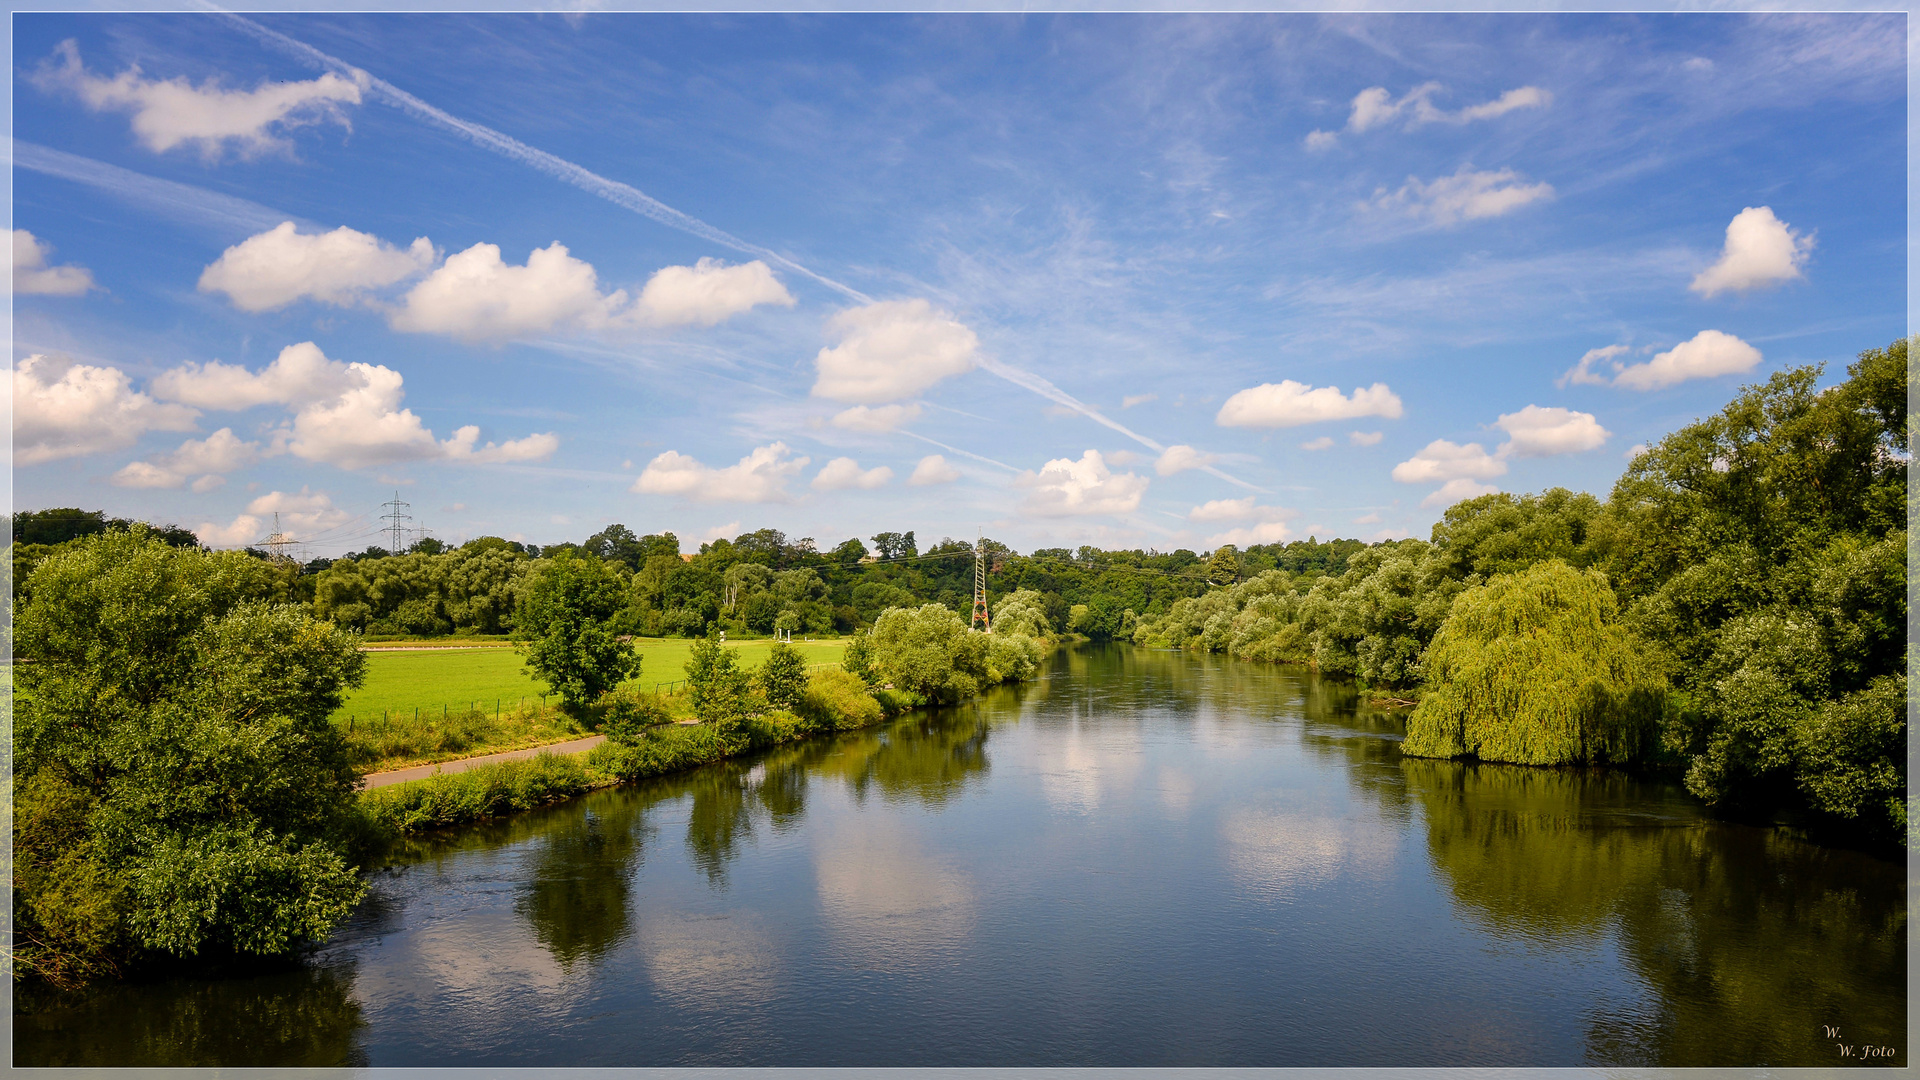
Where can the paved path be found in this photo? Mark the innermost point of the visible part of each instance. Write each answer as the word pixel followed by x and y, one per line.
pixel 421 772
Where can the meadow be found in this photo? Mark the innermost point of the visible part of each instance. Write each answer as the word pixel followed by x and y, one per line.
pixel 433 703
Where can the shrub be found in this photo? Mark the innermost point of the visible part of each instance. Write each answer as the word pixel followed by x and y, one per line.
pixel 1534 668
pixel 835 699
pixel 481 792
pixel 715 684
pixel 782 678
pixel 626 714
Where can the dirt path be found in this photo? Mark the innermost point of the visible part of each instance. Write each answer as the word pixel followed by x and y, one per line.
pixel 421 772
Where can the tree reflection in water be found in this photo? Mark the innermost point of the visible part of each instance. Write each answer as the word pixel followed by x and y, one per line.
pixel 290 1015
pixel 580 879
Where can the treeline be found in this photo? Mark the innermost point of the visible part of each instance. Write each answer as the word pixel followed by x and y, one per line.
pixel 1735 609
pixel 754 584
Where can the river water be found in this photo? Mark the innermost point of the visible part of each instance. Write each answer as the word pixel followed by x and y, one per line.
pixel 1144 858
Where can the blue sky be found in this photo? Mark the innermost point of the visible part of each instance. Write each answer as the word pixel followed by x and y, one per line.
pixel 1128 280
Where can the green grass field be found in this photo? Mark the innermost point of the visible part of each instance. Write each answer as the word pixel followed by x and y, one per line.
pixel 401 680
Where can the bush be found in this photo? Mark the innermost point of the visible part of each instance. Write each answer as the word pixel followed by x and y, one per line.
pixel 1534 668
pixel 835 699
pixel 716 685
pixel 782 678
pixel 626 714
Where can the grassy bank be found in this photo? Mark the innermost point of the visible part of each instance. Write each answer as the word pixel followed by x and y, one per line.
pixel 833 702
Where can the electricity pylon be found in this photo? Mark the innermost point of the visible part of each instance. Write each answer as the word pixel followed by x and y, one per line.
pixel 979 590
pixel 398 530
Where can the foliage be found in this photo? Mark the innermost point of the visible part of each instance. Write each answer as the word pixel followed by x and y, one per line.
pixel 1223 566
pixel 180 789
pixel 563 624
pixel 929 651
pixel 1534 668
pixel 625 714
pixel 1023 611
pixel 857 660
pixel 484 791
pixel 783 677
pixel 838 699
pixel 716 684
pixel 1762 553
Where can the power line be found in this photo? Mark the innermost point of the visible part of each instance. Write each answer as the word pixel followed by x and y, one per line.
pixel 396 517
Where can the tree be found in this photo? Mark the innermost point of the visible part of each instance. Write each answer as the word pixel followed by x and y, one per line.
pixel 562 625
pixel 929 651
pixel 893 545
pixel 1223 567
pixel 783 678
pixel 1535 668
pixel 178 788
pixel 715 684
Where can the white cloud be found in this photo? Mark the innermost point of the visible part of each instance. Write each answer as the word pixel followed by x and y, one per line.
pixel 1131 400
pixel 721 532
pixel 1321 443
pixel 1365 438
pixel 1455 490
pixel 933 469
pixel 1388 534
pixel 1318 140
pixel 302 512
pixel 347 415
pixel 31 274
pixel 532 448
pixel 876 420
pixel 891 349
pixel 1581 374
pixel 1441 460
pixel 1708 354
pixel 844 472
pixel 174 112
pixel 760 477
pixel 1544 432
pixel 1064 487
pixel 1124 457
pixel 707 293
pixel 1635 451
pixel 1465 196
pixel 1290 404
pixel 475 296
pixel 299 375
pixel 274 268
pixel 1367 519
pixel 1237 510
pixel 1176 459
pixel 65 410
pixel 1760 250
pixel 1267 532
pixel 220 452
pixel 1376 107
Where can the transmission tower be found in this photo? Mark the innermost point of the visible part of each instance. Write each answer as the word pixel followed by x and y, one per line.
pixel 979 590
pixel 398 528
pixel 277 542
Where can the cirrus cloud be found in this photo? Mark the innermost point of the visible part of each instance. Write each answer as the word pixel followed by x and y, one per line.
pixel 1467 195
pixel 1290 404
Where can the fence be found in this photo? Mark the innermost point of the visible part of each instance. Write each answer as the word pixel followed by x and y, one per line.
pixel 389 717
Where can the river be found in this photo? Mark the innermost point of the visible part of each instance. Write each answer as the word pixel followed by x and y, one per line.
pixel 1144 858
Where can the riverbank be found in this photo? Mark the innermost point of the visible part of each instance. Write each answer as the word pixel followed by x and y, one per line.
pixel 487 791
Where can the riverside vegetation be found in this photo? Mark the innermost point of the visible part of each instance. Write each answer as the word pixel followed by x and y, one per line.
pixel 1735 611
pixel 179 792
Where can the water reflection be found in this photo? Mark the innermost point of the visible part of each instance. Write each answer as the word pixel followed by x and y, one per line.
pixel 1145 858
pixel 579 880
pixel 292 1016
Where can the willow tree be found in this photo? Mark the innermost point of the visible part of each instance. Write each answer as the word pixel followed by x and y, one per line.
pixel 1535 668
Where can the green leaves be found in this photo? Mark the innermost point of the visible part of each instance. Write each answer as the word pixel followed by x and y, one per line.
pixel 563 625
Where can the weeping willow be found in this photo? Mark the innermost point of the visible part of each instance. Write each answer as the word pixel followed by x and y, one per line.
pixel 1534 668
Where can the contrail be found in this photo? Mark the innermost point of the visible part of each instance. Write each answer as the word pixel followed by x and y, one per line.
pixel 632 198
pixel 222 213
pixel 957 450
pixel 624 195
